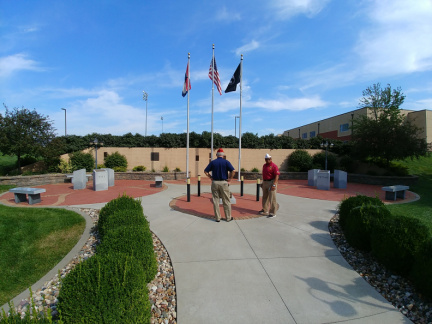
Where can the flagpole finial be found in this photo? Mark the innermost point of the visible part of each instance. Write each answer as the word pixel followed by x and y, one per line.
pixel 242 56
pixel 213 46
pixel 188 55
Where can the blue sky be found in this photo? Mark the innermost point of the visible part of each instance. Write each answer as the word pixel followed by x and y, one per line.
pixel 304 60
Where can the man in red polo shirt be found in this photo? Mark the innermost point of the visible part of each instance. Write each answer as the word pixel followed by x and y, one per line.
pixel 270 173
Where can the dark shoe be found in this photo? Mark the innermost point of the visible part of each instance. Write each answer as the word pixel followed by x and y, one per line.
pixel 271 216
pixel 217 220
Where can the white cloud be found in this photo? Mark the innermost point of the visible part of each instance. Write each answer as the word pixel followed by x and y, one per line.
pixel 224 15
pixel 398 38
pixel 293 104
pixel 286 9
pixel 17 62
pixel 251 46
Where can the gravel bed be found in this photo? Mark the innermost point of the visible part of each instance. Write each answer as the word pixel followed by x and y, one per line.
pixel 396 289
pixel 162 290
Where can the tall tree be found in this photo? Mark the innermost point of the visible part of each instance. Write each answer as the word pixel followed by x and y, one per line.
pixel 25 132
pixel 385 133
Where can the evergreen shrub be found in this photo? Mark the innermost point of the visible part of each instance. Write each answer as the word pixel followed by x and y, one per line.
pixel 361 222
pixel 133 240
pixel 105 289
pixel 318 161
pixel 81 160
pixel 126 217
pixel 397 241
pixel 139 168
pixel 115 160
pixel 121 203
pixel 299 161
pixel 421 270
pixel 349 203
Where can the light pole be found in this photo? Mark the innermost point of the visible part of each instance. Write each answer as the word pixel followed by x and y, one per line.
pixel 145 97
pixel 326 144
pixel 235 125
pixel 95 143
pixel 162 123
pixel 65 121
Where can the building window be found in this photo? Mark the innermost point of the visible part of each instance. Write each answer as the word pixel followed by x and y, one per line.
pixel 304 135
pixel 196 158
pixel 105 154
pixel 154 156
pixel 312 134
pixel 344 127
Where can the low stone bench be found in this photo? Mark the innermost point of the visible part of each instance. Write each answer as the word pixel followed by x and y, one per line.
pixel 33 195
pixel 158 182
pixel 393 192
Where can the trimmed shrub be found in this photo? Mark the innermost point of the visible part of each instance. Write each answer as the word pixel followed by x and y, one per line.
pixel 116 160
pixel 133 216
pixel 348 164
pixel 254 170
pixel 396 242
pixel 318 160
pixel 121 203
pixel 361 222
pixel 133 240
pixel 165 169
pixel 119 169
pixel 81 160
pixel 105 289
pixel 139 168
pixel 421 270
pixel 348 204
pixel 299 161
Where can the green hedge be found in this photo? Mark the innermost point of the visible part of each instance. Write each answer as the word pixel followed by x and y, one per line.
pixel 121 203
pixel 105 289
pixel 397 241
pixel 361 222
pixel 346 205
pixel 134 240
pixel 421 270
pixel 133 216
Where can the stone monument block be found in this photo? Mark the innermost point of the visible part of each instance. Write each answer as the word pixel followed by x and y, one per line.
pixel 312 177
pixel 100 180
pixel 79 179
pixel 340 179
pixel 110 176
pixel 323 180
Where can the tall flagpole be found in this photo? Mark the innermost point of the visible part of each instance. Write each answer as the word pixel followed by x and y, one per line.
pixel 212 103
pixel 240 119
pixel 187 136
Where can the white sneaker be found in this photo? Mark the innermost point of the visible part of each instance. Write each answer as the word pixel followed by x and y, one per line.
pixel 271 216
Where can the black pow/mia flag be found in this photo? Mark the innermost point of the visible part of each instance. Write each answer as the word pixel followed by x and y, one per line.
pixel 232 85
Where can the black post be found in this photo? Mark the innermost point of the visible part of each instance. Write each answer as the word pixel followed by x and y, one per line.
pixel 199 185
pixel 241 186
pixel 188 189
pixel 258 190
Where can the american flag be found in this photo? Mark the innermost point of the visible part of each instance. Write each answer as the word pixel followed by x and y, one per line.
pixel 187 85
pixel 216 75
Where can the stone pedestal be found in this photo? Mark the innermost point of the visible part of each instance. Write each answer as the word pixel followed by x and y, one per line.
pixel 340 179
pixel 110 176
pixel 323 180
pixel 100 180
pixel 312 177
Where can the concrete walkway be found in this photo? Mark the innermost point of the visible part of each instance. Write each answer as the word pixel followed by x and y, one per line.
pixel 260 270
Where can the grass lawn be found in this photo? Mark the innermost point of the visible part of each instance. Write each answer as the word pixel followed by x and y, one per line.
pixel 421 209
pixel 32 242
pixel 7 163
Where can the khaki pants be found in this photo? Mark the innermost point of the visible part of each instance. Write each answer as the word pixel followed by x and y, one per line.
pixel 269 204
pixel 220 189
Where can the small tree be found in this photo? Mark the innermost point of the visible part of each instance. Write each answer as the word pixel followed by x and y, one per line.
pixel 25 132
pixel 299 161
pixel 81 160
pixel 386 133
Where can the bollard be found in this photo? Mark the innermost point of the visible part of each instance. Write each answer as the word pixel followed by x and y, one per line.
pixel 258 189
pixel 199 185
pixel 241 186
pixel 188 189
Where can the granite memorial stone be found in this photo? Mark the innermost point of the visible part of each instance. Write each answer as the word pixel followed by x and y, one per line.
pixel 312 177
pixel 79 179
pixel 100 180
pixel 340 179
pixel 110 176
pixel 323 180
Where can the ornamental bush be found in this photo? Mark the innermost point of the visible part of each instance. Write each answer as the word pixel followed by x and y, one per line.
pixel 81 160
pixel 125 217
pixel 116 160
pixel 397 241
pixel 139 168
pixel 105 289
pixel 318 161
pixel 421 270
pixel 134 240
pixel 346 205
pixel 299 161
pixel 361 222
